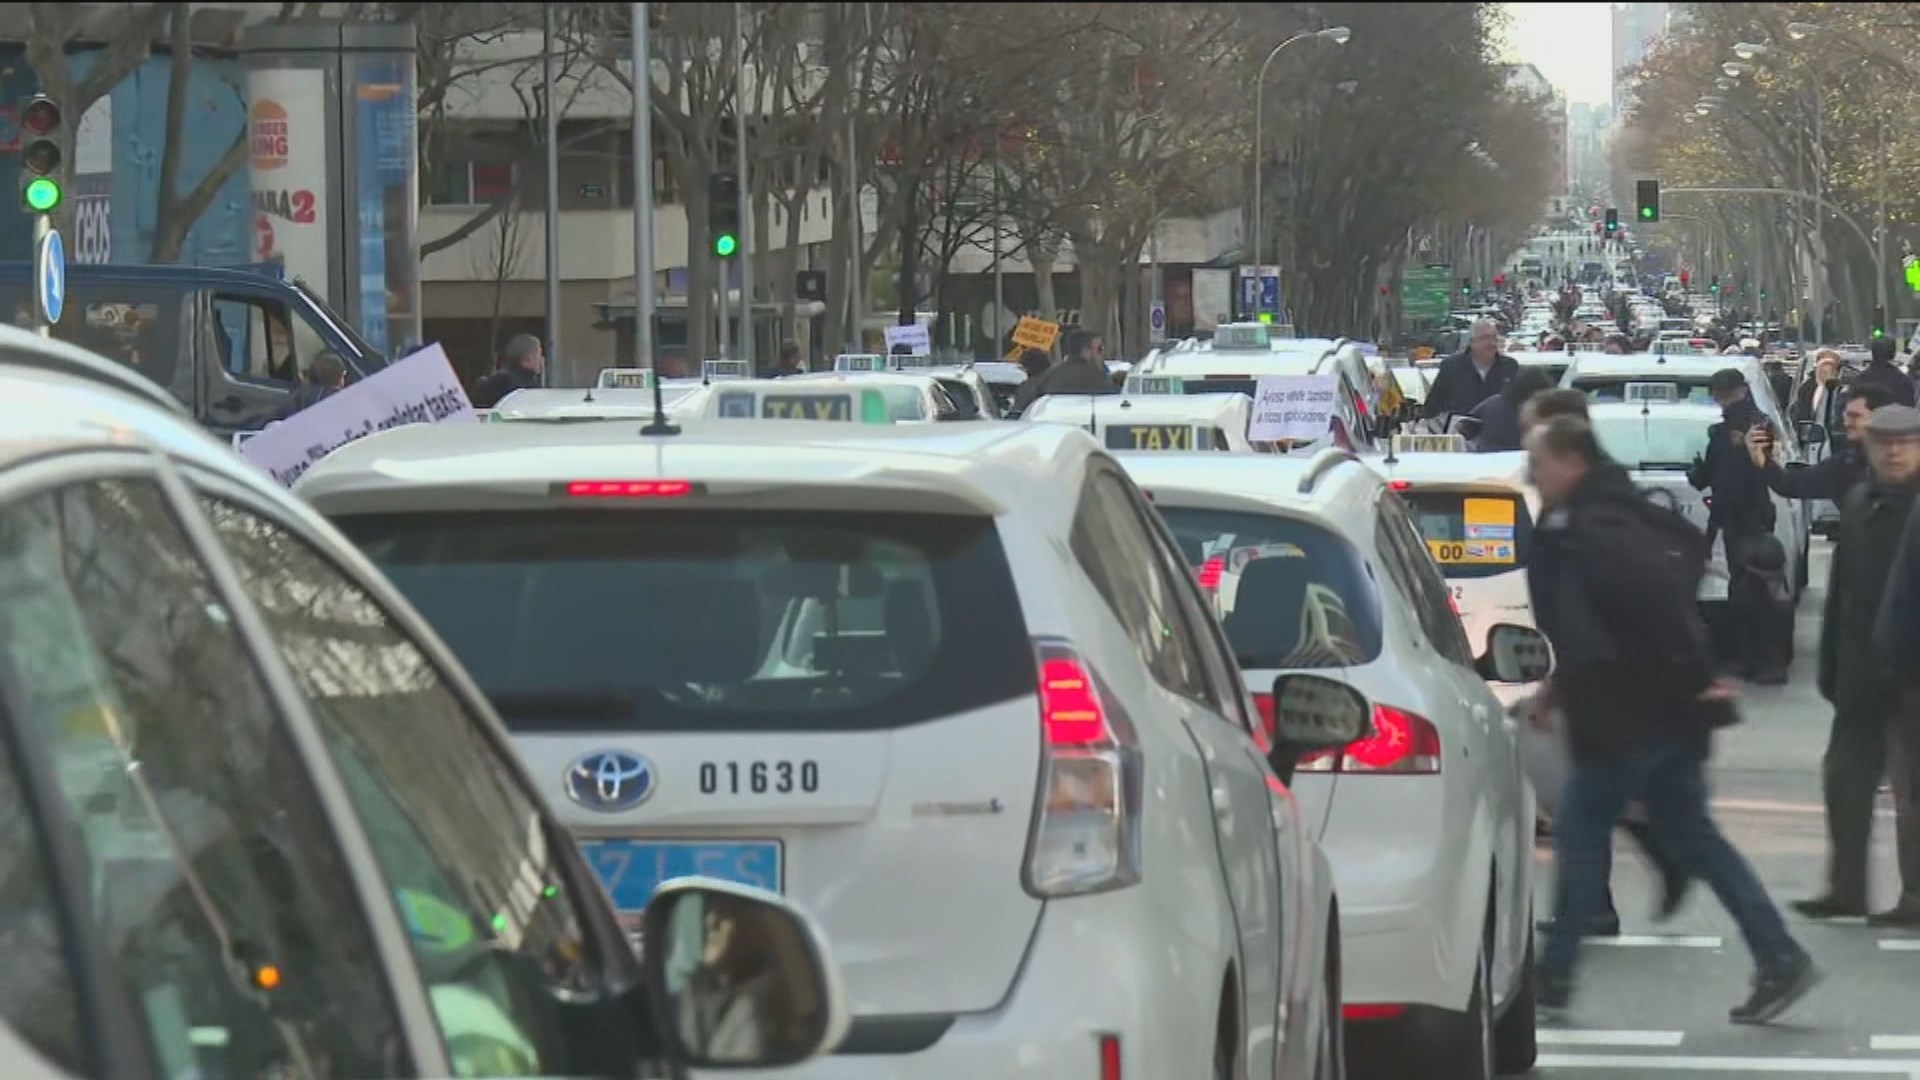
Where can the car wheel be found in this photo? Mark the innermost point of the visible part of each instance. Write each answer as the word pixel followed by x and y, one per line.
pixel 1515 1041
pixel 1466 1050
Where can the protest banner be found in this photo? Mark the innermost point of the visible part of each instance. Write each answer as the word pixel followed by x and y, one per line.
pixel 1292 408
pixel 913 335
pixel 420 389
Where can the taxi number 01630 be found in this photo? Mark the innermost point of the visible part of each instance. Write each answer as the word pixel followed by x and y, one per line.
pixel 759 777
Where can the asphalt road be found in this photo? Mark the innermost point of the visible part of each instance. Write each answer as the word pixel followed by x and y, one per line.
pixel 1654 1003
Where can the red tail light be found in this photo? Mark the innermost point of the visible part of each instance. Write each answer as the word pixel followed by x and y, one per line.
pixel 628 489
pixel 1070 712
pixel 1086 833
pixel 1109 1057
pixel 1402 743
pixel 1264 702
pixel 1211 571
pixel 1400 485
pixel 1372 1012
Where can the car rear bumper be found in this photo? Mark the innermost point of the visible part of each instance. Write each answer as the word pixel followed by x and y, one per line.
pixel 1100 965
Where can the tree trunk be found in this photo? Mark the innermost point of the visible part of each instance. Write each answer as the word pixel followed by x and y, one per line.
pixel 834 331
pixel 786 286
pixel 909 251
pixel 1099 287
pixel 700 277
pixel 1041 256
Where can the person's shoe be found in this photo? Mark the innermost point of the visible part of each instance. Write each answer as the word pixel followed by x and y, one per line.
pixel 1607 925
pixel 1776 992
pixel 1903 916
pixel 1674 887
pixel 1828 907
pixel 1551 1014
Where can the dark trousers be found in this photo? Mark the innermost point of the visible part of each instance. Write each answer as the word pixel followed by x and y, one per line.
pixel 1903 762
pixel 1759 609
pixel 1855 762
pixel 1670 779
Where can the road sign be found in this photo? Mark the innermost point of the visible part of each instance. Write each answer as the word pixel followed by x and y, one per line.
pixel 1426 293
pixel 50 277
pixel 1249 291
pixel 1157 321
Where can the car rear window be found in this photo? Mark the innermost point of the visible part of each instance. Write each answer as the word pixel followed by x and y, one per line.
pixel 1473 534
pixel 1692 390
pixel 725 620
pixel 1289 593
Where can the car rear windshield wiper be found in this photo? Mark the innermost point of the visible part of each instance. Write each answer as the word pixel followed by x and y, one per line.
pixel 565 704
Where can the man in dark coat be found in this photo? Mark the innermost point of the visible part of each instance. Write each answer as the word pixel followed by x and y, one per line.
pixel 1084 371
pixel 1634 680
pixel 1834 475
pixel 1880 372
pixel 522 363
pixel 1873 729
pixel 1742 516
pixel 1472 376
pixel 1499 415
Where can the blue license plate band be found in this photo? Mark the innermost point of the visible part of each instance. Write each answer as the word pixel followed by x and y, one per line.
pixel 631 870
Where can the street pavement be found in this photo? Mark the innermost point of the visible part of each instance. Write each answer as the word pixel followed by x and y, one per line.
pixel 1654 1003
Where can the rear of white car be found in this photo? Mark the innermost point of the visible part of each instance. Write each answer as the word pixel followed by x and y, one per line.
pixel 854 677
pixel 1427 822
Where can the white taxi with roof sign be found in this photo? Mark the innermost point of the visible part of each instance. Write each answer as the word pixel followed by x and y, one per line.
pixel 898 674
pixel 1475 513
pixel 1188 422
pixel 867 398
pixel 1249 353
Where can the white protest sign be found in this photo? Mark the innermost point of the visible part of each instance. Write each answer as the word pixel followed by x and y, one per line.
pixel 914 337
pixel 421 389
pixel 1293 408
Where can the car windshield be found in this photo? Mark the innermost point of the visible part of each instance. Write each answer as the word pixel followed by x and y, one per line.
pixel 1289 593
pixel 1649 439
pixel 1611 388
pixel 694 620
pixel 1473 534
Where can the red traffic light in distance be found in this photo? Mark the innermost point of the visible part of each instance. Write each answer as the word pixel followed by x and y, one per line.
pixel 41 116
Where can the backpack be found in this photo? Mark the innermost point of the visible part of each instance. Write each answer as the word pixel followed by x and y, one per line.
pixel 1684 545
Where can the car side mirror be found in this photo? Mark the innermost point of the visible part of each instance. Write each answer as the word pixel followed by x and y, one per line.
pixel 1810 432
pixel 1516 654
pixel 1312 712
pixel 738 978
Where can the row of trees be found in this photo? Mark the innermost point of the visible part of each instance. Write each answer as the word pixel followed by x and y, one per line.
pixel 1819 100
pixel 1070 126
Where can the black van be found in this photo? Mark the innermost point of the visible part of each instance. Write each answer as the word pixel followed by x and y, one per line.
pixel 228 342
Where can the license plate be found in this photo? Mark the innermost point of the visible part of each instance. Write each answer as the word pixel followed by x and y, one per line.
pixel 631 870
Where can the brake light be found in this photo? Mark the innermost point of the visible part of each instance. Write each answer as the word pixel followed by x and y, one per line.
pixel 1086 829
pixel 1211 571
pixel 628 489
pixel 1402 743
pixel 1372 1012
pixel 1264 703
pixel 1400 485
pixel 1109 1057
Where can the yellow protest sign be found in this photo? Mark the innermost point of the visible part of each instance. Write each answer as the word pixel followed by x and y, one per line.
pixel 1032 333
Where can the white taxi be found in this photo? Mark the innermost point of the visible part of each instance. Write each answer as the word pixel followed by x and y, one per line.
pixel 1240 354
pixel 1153 422
pixel 950 688
pixel 1315 565
pixel 881 397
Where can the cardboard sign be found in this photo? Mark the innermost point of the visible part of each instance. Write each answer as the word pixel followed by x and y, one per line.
pixel 914 337
pixel 1293 408
pixel 1032 333
pixel 421 389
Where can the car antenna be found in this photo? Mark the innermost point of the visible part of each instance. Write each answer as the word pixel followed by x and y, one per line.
pixel 1093 415
pixel 660 425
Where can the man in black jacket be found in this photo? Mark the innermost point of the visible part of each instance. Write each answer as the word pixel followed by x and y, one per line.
pixel 522 364
pixel 1499 415
pixel 1470 377
pixel 1635 683
pixel 1834 475
pixel 1084 371
pixel 1861 684
pixel 1880 372
pixel 1742 516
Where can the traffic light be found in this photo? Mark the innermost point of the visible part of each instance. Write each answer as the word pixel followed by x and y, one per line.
pixel 723 213
pixel 40 156
pixel 1499 281
pixel 1879 321
pixel 1714 285
pixel 1649 200
pixel 1685 278
pixel 1466 286
pixel 1612 223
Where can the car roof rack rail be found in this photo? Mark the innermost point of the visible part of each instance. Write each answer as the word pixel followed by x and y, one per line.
pixel 24 349
pixel 1323 463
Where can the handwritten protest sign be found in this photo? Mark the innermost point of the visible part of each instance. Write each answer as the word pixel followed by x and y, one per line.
pixel 1292 408
pixel 913 335
pixel 421 389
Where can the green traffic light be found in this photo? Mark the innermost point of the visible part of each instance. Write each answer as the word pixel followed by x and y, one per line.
pixel 1879 333
pixel 1647 212
pixel 725 244
pixel 42 195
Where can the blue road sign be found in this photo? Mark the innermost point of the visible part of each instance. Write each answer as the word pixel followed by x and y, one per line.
pixel 50 276
pixel 1270 295
pixel 1249 294
pixel 1157 317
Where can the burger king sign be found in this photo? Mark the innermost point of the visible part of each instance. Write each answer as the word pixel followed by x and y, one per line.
pixel 287 155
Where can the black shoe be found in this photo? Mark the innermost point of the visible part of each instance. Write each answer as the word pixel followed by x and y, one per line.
pixel 1605 926
pixel 1776 992
pixel 1674 887
pixel 1827 907
pixel 1902 916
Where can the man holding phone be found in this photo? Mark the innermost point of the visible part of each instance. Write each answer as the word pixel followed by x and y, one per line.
pixel 1742 516
pixel 1837 473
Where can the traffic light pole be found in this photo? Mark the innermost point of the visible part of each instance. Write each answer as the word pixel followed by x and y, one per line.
pixel 42 225
pixel 742 104
pixel 1873 250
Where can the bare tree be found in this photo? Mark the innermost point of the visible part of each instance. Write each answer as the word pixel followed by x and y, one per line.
pixel 500 260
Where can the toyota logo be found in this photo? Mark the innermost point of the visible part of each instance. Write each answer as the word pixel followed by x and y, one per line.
pixel 609 781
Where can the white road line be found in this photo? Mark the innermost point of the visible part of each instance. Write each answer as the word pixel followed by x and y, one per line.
pixel 1891 1043
pixel 1848 1066
pixel 1652 1040
pixel 1656 941
pixel 1900 944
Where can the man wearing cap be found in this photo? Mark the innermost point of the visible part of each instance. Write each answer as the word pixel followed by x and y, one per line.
pixel 1741 514
pixel 1864 685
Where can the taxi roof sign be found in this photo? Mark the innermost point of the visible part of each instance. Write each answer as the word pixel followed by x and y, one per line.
pixel 860 362
pixel 1661 392
pixel 624 379
pixel 1450 443
pixel 1243 336
pixel 716 370
pixel 1155 385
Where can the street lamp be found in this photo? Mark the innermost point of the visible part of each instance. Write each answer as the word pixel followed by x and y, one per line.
pixel 1339 35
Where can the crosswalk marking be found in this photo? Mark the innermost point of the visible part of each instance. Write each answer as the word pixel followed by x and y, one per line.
pixel 1657 941
pixel 1653 1040
pixel 1891 1043
pixel 1908 1068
